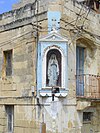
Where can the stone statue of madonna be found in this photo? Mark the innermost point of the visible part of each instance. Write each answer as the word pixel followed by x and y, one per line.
pixel 53 70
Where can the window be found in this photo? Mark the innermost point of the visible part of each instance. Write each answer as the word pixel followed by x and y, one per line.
pixel 53 73
pixel 10 113
pixel 87 116
pixel 79 71
pixel 8 63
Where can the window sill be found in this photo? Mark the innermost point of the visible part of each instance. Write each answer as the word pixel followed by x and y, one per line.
pixel 7 78
pixel 86 122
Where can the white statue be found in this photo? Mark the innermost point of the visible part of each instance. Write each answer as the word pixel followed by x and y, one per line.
pixel 53 70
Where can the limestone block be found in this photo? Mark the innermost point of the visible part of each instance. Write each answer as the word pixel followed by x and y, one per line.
pixel 20 72
pixel 19 58
pixel 18 129
pixel 20 65
pixel 82 105
pixel 8 87
pixel 2 129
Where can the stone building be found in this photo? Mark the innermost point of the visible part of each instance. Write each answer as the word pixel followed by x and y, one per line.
pixel 50 67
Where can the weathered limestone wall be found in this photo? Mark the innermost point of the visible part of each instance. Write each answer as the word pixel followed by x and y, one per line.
pixel 17 34
pixel 90 55
pixel 98 117
pixel 24 119
pixel 22 42
pixel 61 116
pixel 43 4
pixel 80 16
pixel 17 89
pixel 2 119
pixel 98 61
pixel 88 37
pixel 17 14
pixel 22 3
pixel 14 90
pixel 22 16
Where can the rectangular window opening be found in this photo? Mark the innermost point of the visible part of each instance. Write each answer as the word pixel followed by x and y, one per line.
pixel 79 71
pixel 10 117
pixel 8 62
pixel 87 116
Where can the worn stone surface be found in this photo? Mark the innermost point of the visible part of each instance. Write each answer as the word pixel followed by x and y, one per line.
pixel 18 32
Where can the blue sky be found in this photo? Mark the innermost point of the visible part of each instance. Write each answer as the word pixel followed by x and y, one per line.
pixel 6 5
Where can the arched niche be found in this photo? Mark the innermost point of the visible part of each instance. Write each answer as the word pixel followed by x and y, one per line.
pixel 53 68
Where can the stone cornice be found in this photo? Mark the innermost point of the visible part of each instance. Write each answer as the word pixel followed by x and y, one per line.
pixel 24 21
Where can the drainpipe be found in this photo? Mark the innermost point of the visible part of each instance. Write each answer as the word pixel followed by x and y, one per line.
pixel 37 39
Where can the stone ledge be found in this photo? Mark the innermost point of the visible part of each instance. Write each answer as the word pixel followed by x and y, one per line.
pixel 21 22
